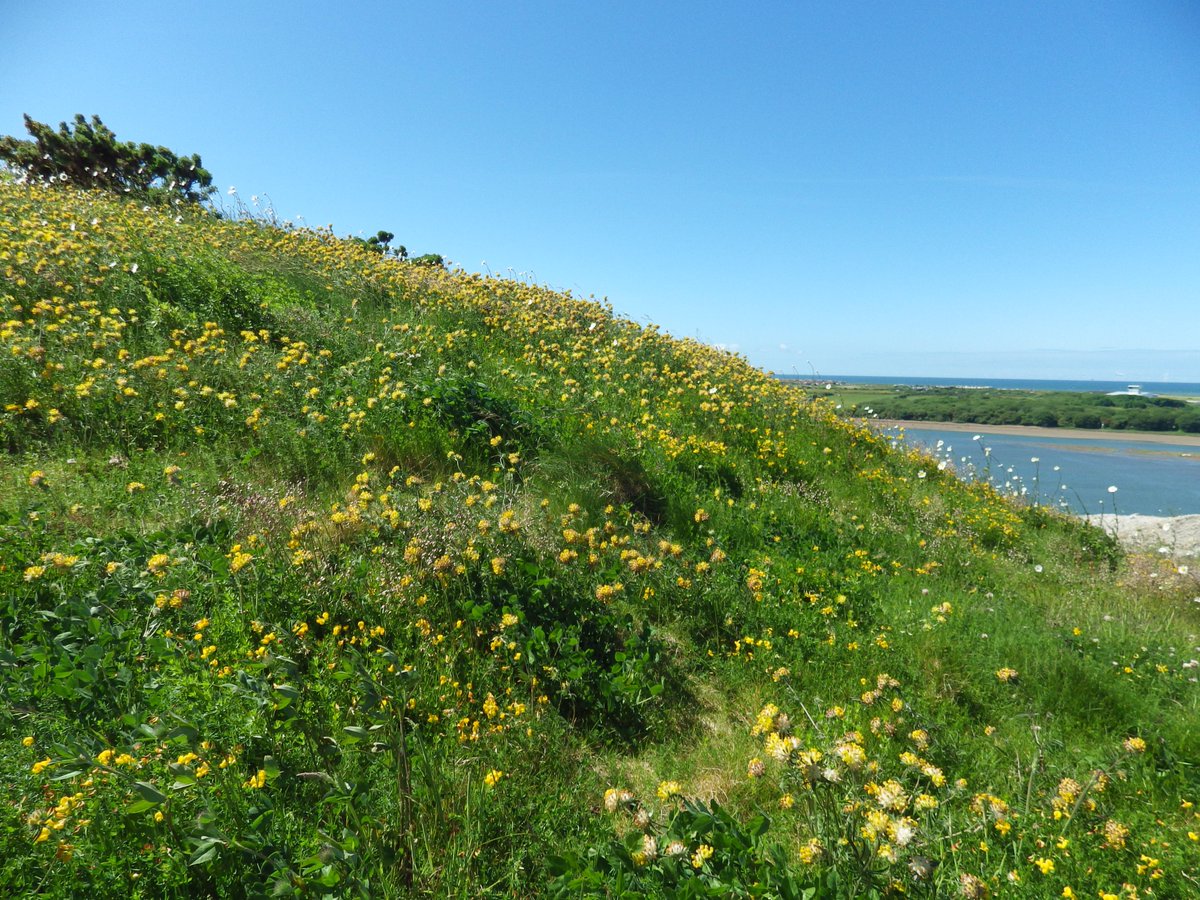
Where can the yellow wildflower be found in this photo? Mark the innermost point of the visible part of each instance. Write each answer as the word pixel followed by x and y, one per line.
pixel 669 789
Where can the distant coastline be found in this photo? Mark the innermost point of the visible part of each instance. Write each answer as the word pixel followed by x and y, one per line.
pixel 1133 408
pixel 1080 385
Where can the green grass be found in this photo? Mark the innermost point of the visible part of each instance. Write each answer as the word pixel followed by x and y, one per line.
pixel 326 574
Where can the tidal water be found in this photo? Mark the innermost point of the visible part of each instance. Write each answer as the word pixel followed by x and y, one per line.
pixel 1074 474
pixel 1174 388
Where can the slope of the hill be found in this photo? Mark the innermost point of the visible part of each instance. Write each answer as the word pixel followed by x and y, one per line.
pixel 323 573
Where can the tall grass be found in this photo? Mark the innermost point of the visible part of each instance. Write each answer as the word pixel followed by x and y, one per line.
pixel 328 574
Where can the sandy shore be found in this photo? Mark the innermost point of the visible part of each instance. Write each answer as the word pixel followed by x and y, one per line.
pixel 1096 434
pixel 1179 534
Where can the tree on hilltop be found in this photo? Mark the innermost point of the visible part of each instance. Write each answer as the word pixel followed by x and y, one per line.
pixel 381 242
pixel 89 155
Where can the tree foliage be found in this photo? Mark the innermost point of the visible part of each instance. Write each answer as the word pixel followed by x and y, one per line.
pixel 381 242
pixel 1049 409
pixel 89 155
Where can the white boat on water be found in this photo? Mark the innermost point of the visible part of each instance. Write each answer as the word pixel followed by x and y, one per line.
pixel 1134 390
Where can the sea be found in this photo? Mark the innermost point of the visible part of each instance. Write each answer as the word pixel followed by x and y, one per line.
pixel 1074 474
pixel 1173 388
pixel 1077 475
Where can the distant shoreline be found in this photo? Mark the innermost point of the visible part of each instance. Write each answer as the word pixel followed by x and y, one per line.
pixel 1096 434
pixel 1184 389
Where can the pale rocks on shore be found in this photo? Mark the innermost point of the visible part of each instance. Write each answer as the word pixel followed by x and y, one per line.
pixel 1179 535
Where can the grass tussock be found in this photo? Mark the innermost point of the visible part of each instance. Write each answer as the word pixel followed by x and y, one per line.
pixel 327 574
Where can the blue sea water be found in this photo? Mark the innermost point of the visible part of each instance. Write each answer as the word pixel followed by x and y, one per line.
pixel 1074 474
pixel 1176 388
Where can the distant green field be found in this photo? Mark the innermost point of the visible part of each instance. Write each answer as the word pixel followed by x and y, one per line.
pixel 989 406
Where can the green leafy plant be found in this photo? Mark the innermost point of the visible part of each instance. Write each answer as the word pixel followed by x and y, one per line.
pixel 699 851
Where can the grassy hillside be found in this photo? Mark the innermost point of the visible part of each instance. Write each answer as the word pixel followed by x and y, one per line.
pixel 326 574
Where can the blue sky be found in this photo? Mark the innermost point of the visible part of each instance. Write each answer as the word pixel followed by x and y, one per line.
pixel 993 189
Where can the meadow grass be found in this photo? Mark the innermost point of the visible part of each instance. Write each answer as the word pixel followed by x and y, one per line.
pixel 327 574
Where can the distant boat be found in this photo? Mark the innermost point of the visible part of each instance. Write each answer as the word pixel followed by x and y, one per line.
pixel 1134 390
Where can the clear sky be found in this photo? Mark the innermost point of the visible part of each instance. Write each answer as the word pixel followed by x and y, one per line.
pixel 993 189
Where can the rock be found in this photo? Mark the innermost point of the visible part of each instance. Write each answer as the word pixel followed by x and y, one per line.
pixel 1173 536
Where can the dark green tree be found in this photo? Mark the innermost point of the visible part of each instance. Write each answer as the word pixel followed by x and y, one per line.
pixel 381 242
pixel 89 155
